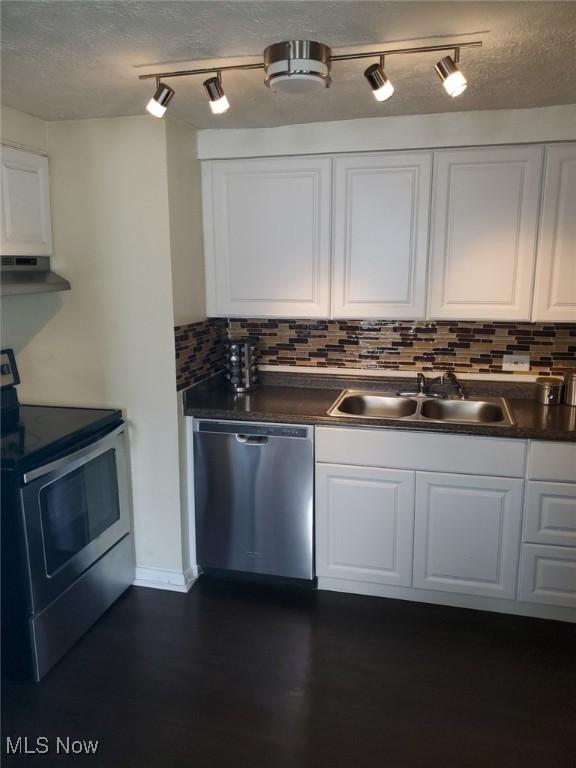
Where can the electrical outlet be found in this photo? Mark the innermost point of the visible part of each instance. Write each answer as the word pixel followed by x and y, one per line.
pixel 516 363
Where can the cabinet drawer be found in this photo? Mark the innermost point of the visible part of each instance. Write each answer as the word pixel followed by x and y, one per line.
pixel 550 513
pixel 548 575
pixel 552 461
pixel 418 450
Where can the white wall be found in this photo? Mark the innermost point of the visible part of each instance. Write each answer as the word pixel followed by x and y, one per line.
pixel 185 207
pixel 188 293
pixel 110 341
pixel 22 130
pixel 506 126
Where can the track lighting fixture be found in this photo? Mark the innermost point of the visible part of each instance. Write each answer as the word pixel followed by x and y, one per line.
pixel 453 80
pixel 296 66
pixel 382 88
pixel 218 100
pixel 159 102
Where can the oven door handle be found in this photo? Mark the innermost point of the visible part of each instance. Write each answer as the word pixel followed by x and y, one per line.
pixel 74 460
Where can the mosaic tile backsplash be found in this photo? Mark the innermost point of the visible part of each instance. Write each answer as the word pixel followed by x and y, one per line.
pixel 467 347
pixel 199 352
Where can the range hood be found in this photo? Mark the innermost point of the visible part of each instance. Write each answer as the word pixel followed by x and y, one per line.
pixel 29 274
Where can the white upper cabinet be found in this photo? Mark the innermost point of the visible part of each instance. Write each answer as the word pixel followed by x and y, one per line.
pixel 555 289
pixel 484 230
pixel 267 237
pixel 381 219
pixel 25 220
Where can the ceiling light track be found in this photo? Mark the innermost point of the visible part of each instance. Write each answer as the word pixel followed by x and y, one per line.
pixel 298 65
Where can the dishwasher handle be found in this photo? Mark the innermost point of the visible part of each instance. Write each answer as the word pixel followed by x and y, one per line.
pixel 251 439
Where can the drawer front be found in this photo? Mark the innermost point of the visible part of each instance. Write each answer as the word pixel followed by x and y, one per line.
pixel 395 449
pixel 550 513
pixel 547 575
pixel 552 461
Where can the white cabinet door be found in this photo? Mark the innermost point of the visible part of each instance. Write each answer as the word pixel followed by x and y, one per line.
pixel 467 534
pixel 547 575
pixel 555 289
pixel 364 524
pixel 25 221
pixel 381 220
pixel 484 224
pixel 267 237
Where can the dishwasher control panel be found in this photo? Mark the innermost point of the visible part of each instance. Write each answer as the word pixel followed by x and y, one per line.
pixel 245 428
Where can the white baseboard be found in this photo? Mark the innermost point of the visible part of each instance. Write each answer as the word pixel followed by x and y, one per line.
pixel 476 602
pixel 161 578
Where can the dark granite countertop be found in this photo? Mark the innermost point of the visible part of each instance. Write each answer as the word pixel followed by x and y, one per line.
pixel 295 399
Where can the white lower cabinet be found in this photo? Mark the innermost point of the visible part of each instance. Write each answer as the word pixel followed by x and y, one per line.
pixel 467 534
pixel 548 575
pixel 364 524
pixel 453 519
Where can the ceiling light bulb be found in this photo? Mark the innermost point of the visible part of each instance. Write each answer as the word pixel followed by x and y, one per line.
pixel 453 80
pixel 382 88
pixel 218 100
pixel 220 106
pixel 159 102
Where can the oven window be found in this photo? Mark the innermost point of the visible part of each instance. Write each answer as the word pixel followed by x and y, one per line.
pixel 77 508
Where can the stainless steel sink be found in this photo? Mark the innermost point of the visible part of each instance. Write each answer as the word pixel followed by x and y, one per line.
pixel 375 406
pixel 466 411
pixel 362 404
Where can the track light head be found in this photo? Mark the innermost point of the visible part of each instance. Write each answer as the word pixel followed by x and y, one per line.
pixel 453 80
pixel 159 102
pixel 382 88
pixel 218 100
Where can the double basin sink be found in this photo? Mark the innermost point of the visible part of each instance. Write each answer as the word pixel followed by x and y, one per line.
pixel 376 405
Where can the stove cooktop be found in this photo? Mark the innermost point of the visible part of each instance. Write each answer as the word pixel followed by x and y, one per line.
pixel 43 431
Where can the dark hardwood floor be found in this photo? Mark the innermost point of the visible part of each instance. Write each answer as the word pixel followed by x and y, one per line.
pixel 261 677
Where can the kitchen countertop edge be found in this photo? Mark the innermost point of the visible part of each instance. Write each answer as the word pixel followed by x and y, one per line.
pixel 309 406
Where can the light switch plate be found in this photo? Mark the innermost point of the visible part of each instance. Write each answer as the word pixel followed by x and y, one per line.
pixel 516 363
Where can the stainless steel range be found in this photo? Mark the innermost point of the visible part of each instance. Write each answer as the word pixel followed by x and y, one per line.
pixel 67 550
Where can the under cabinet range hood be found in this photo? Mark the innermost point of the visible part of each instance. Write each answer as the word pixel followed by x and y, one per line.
pixel 29 274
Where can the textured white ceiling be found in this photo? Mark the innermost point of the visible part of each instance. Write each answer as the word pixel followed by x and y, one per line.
pixel 81 58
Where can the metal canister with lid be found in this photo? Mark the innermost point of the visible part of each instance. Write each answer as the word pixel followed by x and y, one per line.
pixel 570 388
pixel 241 366
pixel 549 390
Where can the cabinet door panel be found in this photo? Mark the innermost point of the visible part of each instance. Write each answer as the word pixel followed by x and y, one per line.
pixel 555 289
pixel 26 224
pixel 467 534
pixel 267 237
pixel 381 219
pixel 364 524
pixel 485 216
pixel 550 513
pixel 548 575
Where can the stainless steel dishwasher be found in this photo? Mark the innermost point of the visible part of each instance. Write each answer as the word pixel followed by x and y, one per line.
pixel 254 491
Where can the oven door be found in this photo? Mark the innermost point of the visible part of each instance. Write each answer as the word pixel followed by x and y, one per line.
pixel 74 510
